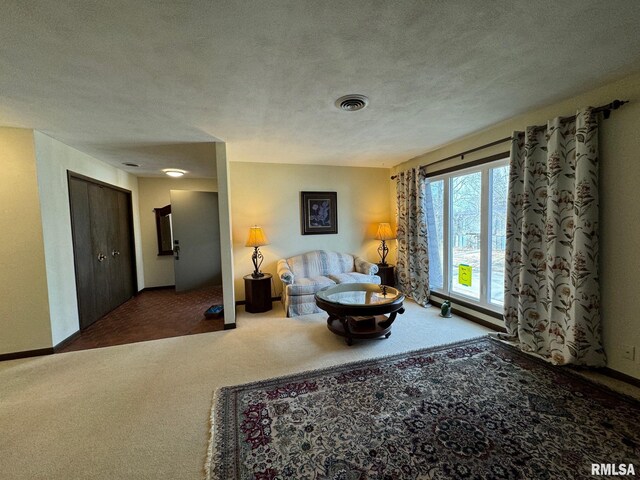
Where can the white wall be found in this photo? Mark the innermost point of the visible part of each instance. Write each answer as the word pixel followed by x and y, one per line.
pixel 24 307
pixel 619 204
pixel 154 192
pixel 53 159
pixel 226 241
pixel 268 195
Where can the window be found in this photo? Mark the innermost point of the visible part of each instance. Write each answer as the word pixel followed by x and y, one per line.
pixel 466 221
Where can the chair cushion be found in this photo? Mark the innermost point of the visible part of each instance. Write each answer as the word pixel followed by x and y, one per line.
pixel 308 285
pixel 354 277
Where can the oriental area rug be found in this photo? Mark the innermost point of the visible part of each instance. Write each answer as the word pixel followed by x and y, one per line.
pixel 477 409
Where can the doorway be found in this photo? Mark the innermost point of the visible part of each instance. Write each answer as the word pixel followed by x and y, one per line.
pixel 196 236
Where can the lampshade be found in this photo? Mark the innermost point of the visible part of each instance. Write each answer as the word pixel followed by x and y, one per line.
pixel 385 232
pixel 257 238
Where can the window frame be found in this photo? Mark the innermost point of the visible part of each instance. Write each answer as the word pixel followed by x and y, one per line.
pixel 484 166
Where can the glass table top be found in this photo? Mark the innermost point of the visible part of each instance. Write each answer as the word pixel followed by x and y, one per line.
pixel 363 294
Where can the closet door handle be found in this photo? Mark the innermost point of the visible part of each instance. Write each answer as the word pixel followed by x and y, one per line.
pixel 115 253
pixel 102 257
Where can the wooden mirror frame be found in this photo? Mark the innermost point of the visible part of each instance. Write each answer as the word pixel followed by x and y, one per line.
pixel 160 214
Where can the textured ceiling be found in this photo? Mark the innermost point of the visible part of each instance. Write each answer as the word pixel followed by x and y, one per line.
pixel 150 81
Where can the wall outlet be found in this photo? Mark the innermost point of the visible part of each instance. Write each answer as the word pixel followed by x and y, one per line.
pixel 628 352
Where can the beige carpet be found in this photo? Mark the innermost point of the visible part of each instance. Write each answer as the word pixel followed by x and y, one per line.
pixel 141 411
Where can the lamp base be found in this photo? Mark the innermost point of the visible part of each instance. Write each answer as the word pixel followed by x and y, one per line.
pixel 383 251
pixel 257 258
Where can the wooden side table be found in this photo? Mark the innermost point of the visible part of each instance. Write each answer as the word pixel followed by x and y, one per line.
pixel 387 275
pixel 257 293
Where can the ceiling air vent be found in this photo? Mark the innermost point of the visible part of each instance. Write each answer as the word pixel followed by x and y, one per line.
pixel 128 164
pixel 352 103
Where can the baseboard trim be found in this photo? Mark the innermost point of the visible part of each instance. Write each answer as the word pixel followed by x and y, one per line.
pixel 41 351
pixel 26 354
pixel 244 302
pixel 229 326
pixel 623 377
pixel 164 287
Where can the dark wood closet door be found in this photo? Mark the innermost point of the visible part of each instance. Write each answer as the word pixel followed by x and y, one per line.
pixel 101 233
pixel 125 255
pixel 82 250
pixel 102 238
pixel 119 248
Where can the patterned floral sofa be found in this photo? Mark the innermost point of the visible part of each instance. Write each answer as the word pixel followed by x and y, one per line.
pixel 303 275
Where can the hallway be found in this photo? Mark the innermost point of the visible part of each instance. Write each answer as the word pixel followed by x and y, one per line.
pixel 151 315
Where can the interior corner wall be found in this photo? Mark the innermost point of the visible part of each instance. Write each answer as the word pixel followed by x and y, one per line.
pixel 53 159
pixel 268 195
pixel 154 192
pixel 24 306
pixel 619 207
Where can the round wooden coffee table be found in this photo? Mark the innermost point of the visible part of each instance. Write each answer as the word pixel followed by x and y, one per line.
pixel 360 310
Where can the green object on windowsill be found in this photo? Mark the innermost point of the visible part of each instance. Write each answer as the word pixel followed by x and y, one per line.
pixel 445 309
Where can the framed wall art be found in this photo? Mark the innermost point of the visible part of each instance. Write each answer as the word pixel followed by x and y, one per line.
pixel 319 212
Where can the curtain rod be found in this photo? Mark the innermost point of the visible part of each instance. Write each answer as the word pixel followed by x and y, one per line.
pixel 605 109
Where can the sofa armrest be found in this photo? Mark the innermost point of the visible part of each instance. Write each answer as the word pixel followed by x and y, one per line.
pixel 365 267
pixel 284 272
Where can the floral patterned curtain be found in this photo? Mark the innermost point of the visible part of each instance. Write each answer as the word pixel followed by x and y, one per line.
pixel 552 297
pixel 413 254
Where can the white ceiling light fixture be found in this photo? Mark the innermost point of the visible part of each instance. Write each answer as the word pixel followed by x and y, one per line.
pixel 174 172
pixel 352 102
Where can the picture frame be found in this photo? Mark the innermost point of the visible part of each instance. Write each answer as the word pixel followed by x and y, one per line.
pixel 319 213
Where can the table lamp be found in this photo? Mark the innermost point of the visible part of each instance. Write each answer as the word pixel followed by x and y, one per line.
pixel 256 239
pixel 384 233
